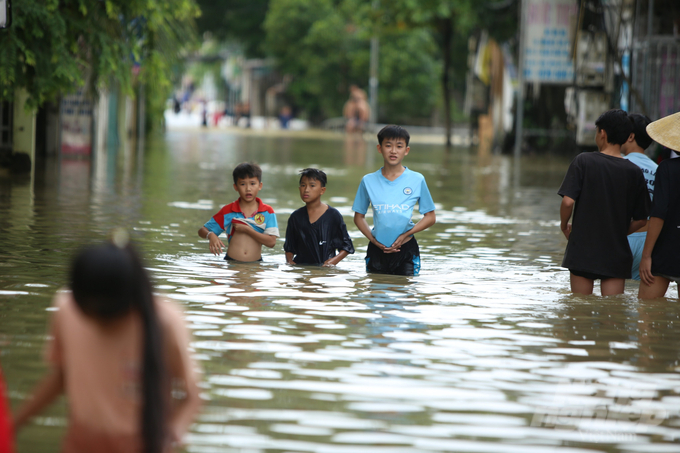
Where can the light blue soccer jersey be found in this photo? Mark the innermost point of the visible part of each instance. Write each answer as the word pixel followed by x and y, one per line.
pixel 648 167
pixel 392 202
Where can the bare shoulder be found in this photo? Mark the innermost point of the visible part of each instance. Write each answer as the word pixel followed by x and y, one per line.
pixel 169 313
pixel 63 301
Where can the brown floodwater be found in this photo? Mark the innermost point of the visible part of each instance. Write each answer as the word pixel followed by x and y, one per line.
pixel 485 351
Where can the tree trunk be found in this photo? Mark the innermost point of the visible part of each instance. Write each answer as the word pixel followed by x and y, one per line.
pixel 447 42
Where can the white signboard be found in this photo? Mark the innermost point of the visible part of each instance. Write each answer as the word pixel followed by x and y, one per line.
pixel 548 38
pixel 3 13
pixel 76 125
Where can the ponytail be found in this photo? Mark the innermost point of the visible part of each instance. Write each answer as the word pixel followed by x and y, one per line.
pixel 107 282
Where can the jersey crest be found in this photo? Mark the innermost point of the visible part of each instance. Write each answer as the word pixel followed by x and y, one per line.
pixel 408 191
pixel 259 219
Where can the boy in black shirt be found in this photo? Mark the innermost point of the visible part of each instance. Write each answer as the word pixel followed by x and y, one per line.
pixel 316 231
pixel 609 199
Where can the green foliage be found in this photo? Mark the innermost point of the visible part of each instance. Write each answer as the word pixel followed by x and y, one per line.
pixel 54 46
pixel 408 77
pixel 325 46
pixel 450 23
pixel 238 20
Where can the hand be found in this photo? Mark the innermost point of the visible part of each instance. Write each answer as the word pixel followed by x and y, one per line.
pixel 646 271
pixel 566 230
pixel 330 262
pixel 375 242
pixel 396 245
pixel 239 227
pixel 175 437
pixel 215 244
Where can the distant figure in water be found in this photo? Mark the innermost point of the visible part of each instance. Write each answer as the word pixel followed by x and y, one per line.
pixel 356 110
pixel 121 356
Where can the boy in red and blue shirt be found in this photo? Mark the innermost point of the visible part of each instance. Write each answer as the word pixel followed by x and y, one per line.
pixel 249 222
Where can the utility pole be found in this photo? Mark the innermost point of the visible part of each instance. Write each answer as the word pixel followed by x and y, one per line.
pixel 373 81
pixel 519 114
pixel 373 76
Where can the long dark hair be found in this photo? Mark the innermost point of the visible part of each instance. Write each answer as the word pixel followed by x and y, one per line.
pixel 108 282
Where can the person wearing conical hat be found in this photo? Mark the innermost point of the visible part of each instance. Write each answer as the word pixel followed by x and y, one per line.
pixel 660 264
pixel 608 198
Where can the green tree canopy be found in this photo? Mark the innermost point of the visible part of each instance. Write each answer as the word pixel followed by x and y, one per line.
pixel 325 46
pixel 237 20
pixel 54 46
pixel 450 23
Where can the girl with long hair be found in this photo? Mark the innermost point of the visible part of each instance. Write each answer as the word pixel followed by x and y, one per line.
pixel 121 356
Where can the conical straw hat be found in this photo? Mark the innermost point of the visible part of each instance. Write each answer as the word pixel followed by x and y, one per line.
pixel 666 131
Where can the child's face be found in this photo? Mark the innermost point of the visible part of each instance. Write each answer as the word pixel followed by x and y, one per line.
pixel 393 151
pixel 310 189
pixel 247 188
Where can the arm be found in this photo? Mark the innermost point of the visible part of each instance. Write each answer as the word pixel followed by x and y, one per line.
pixel 182 371
pixel 289 258
pixel 655 226
pixel 264 239
pixel 566 208
pixel 185 411
pixel 43 395
pixel 636 225
pixel 429 219
pixel 360 222
pixel 214 243
pixel 336 259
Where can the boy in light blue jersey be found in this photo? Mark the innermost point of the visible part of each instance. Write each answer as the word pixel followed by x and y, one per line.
pixel 393 192
pixel 634 150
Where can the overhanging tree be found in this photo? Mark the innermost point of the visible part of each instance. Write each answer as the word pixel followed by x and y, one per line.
pixel 54 46
pixel 451 22
pixel 237 20
pixel 324 45
pixel 448 21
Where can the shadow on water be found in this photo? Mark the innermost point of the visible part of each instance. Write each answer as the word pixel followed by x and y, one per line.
pixel 485 351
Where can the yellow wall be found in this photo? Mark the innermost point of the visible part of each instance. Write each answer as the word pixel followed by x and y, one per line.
pixel 24 127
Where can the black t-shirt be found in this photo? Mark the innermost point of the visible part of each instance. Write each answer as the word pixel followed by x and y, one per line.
pixel 609 192
pixel 314 243
pixel 666 206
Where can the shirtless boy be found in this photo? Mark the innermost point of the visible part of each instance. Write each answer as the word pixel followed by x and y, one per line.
pixel 249 223
pixel 609 199
pixel 316 231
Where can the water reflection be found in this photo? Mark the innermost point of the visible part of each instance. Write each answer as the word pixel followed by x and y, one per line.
pixel 485 351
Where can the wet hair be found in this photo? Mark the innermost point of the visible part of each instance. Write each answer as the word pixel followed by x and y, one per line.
pixel 640 123
pixel 393 131
pixel 616 124
pixel 107 283
pixel 313 173
pixel 247 170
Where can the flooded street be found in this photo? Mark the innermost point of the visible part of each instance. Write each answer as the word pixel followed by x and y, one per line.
pixel 485 351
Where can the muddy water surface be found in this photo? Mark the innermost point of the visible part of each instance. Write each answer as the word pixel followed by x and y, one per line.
pixel 485 351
